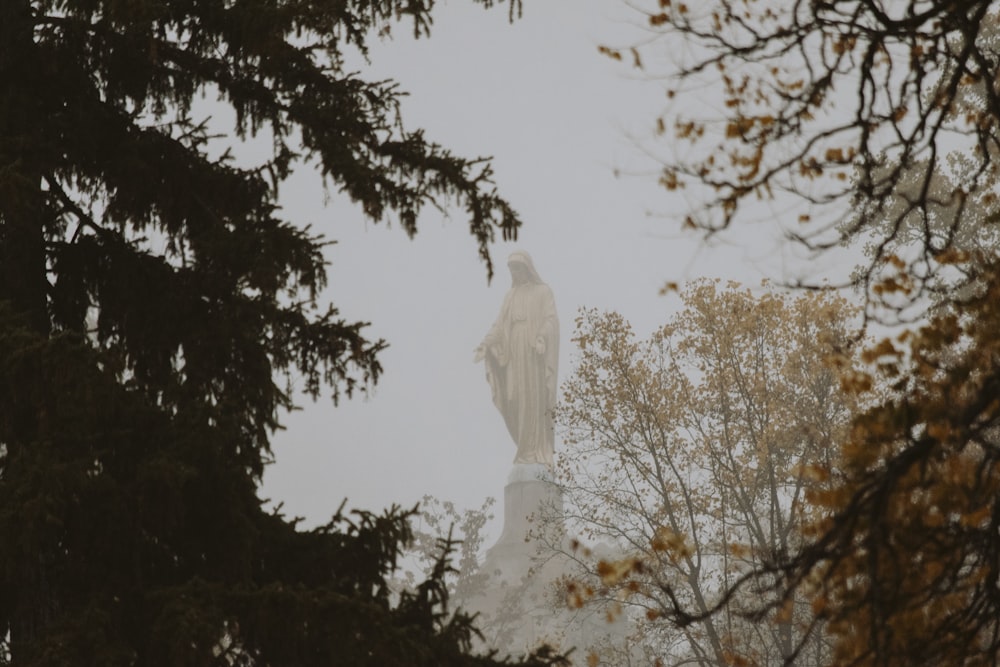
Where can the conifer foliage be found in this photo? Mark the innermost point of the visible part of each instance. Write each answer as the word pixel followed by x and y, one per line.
pixel 152 299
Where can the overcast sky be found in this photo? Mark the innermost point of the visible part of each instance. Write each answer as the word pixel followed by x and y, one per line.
pixel 560 121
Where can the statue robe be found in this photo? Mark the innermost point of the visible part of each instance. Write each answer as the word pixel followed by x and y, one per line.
pixel 522 380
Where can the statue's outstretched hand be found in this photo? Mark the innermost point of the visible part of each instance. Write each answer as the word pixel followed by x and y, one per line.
pixel 540 345
pixel 480 354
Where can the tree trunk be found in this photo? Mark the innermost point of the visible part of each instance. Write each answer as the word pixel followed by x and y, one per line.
pixel 22 206
pixel 23 285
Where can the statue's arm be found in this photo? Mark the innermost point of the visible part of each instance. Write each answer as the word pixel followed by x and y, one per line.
pixel 493 340
pixel 548 334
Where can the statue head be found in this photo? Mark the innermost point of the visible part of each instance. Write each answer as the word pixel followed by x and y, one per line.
pixel 522 269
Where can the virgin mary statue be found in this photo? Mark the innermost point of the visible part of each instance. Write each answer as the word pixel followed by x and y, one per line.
pixel 521 352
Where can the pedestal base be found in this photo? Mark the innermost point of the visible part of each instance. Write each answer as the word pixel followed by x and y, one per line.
pixel 532 511
pixel 521 594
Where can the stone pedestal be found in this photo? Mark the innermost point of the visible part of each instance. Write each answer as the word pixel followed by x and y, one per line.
pixel 532 509
pixel 517 597
pixel 521 601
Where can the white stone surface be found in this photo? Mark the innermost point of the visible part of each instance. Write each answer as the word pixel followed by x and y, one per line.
pixel 521 593
pixel 529 472
pixel 521 351
pixel 522 600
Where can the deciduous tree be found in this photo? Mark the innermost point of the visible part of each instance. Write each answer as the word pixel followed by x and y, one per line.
pixel 880 121
pixel 865 121
pixel 690 455
pixel 440 522
pixel 903 565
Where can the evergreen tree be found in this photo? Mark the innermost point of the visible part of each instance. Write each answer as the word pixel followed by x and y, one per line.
pixel 152 298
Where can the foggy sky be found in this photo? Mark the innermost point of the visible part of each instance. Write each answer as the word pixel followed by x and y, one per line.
pixel 560 120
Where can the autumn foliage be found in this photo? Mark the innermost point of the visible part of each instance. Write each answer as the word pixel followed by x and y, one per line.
pixel 689 455
pixel 777 499
pixel 905 566
pixel 874 123
pixel 872 126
